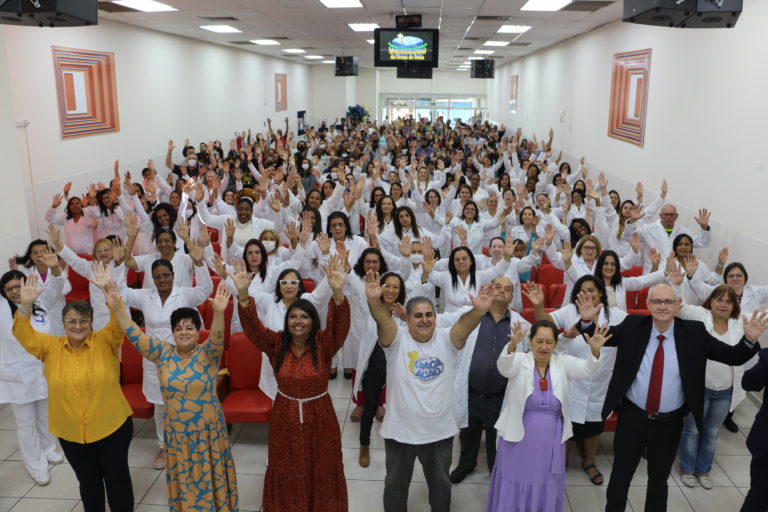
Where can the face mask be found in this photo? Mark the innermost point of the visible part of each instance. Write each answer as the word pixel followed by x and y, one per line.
pixel 334 176
pixel 191 162
pixel 417 259
pixel 305 166
pixel 269 245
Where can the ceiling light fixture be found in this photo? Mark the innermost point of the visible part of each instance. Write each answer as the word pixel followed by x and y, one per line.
pixel 363 27
pixel 341 4
pixel 371 41
pixel 496 43
pixel 145 5
pixel 294 50
pixel 328 62
pixel 545 5
pixel 513 29
pixel 220 29
pixel 314 57
pixel 484 52
pixel 265 42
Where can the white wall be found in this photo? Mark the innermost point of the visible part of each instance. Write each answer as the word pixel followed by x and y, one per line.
pixel 705 130
pixel 14 230
pixel 330 96
pixel 443 81
pixel 167 87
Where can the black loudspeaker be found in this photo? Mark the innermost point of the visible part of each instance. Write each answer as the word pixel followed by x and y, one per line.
pixel 414 72
pixel 714 14
pixel 482 69
pixel 346 66
pixel 50 13
pixel 683 13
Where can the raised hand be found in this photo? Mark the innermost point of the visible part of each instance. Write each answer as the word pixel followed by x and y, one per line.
pixel 219 267
pixel 220 300
pixel 204 237
pixel 118 250
pixel 516 335
pixel 183 229
pixel 242 279
pixel 567 253
pixel 195 252
pixel 55 237
pixel 635 213
pixel 549 234
pixel 461 232
pixel 100 274
pixel 131 222
pixel 323 242
pixel 691 264
pixel 587 309
pixel 292 231
pixel 29 292
pixel 702 219
pixel 722 258
pixel 664 189
pixel 598 339
pixel 50 259
pixel 755 325
pixel 482 301
pixel 67 187
pixel 634 241
pixel 509 248
pixel 405 246
pixel 112 295
pixel 373 290
pixel 335 275
pixel 655 257
pixel 534 294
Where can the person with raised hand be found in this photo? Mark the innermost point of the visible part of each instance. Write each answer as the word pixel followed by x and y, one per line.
pixel 305 470
pixel 534 422
pixel 200 469
pixel 75 220
pixel 96 433
pixel 422 363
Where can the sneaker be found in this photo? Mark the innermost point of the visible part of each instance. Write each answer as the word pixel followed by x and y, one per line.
pixel 44 480
pixel 365 456
pixel 56 459
pixel 688 480
pixel 159 462
pixel 705 481
pixel 458 474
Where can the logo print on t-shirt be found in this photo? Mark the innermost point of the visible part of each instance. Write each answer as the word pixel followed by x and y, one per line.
pixel 424 368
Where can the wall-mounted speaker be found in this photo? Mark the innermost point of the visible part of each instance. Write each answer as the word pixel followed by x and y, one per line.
pixel 482 69
pixel 49 13
pixel 347 66
pixel 683 13
pixel 414 72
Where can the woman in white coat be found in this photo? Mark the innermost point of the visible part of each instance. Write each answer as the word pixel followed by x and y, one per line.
pixel 587 395
pixel 22 383
pixel 157 304
pixel 534 421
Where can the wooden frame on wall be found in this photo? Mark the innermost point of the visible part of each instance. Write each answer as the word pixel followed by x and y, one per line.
pixel 281 92
pixel 86 90
pixel 629 96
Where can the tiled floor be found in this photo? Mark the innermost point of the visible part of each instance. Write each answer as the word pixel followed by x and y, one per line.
pixel 730 473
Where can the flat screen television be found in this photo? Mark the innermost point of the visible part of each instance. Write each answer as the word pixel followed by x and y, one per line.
pixel 397 46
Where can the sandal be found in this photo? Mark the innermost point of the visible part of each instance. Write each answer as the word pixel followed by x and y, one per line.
pixel 594 478
pixel 357 414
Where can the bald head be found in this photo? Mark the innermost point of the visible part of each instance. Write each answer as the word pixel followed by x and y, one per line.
pixel 668 216
pixel 661 289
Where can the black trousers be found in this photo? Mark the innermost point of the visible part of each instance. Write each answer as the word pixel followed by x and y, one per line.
pixel 374 379
pixel 435 459
pixel 100 463
pixel 660 438
pixel 757 497
pixel 483 410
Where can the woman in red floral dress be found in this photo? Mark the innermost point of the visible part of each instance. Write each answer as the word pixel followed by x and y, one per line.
pixel 305 471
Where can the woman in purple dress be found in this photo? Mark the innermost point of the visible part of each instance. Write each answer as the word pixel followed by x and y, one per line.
pixel 529 474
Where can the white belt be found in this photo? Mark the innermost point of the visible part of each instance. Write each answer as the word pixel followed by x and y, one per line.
pixel 301 402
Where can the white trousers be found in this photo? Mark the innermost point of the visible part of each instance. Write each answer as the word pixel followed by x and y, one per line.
pixel 36 444
pixel 160 423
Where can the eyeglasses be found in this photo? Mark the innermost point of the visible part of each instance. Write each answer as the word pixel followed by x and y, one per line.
pixel 12 288
pixel 286 282
pixel 371 262
pixel 730 276
pixel 164 275
pixel 664 302
pixel 669 215
pixel 588 248
pixel 105 249
pixel 74 322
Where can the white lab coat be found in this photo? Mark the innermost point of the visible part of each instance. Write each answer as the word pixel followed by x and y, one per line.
pixel 459 296
pixel 654 235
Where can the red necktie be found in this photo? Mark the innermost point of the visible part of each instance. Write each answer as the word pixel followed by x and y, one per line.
pixel 657 374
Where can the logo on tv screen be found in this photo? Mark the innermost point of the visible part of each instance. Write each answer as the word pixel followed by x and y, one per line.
pixel 407 48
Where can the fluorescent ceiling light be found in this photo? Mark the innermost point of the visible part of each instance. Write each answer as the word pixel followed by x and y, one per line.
pixel 514 29
pixel 485 52
pixel 328 62
pixel 476 58
pixel 545 5
pixel 220 29
pixel 265 42
pixel 496 43
pixel 145 5
pixel 314 57
pixel 294 50
pixel 339 4
pixel 371 41
pixel 363 27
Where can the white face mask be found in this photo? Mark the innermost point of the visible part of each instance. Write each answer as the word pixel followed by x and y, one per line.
pixel 334 176
pixel 305 166
pixel 417 259
pixel 192 162
pixel 269 245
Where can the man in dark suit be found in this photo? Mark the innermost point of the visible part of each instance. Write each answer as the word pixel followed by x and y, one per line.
pixel 755 379
pixel 658 378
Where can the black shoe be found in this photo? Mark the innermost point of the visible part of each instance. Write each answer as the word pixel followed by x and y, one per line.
pixel 458 474
pixel 348 375
pixel 730 424
pixel 334 374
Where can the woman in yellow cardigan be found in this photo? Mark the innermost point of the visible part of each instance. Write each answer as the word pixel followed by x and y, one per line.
pixel 86 407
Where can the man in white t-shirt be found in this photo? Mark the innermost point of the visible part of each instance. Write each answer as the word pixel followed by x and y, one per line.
pixel 421 366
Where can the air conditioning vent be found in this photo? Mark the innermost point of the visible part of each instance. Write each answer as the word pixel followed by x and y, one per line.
pixel 491 18
pixel 219 18
pixel 244 43
pixel 587 5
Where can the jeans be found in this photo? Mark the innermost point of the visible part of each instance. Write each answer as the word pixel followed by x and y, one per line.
pixel 697 450
pixel 435 460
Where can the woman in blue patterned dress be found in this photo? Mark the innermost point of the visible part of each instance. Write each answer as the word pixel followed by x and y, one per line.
pixel 200 471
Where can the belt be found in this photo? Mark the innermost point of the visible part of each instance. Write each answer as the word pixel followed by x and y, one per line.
pixel 658 416
pixel 485 395
pixel 301 402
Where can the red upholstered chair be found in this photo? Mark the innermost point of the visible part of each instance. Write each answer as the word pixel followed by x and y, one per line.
pixel 131 376
pixel 216 247
pixel 206 311
pixel 631 299
pixel 214 234
pixel 527 303
pixel 548 274
pixel 528 314
pixel 245 402
pixel 556 296
pixel 485 251
pixel 215 280
pixel 309 285
pixel 633 272
pixel 79 283
pixel 544 259
pixel 642 298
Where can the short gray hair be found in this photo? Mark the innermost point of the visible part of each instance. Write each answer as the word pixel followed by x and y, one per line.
pixel 653 288
pixel 415 301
